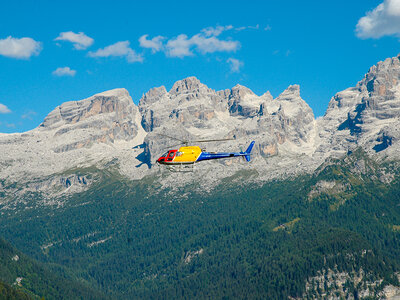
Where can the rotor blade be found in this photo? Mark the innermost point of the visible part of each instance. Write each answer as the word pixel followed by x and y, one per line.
pixel 173 138
pixel 199 141
pixel 193 141
pixel 162 150
pixel 207 141
pixel 173 146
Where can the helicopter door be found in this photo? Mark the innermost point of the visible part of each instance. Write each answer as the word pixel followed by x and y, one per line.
pixel 171 155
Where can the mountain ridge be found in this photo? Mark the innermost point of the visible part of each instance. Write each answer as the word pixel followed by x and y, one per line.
pixel 108 126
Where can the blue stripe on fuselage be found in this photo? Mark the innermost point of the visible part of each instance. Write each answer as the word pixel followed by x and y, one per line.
pixel 210 155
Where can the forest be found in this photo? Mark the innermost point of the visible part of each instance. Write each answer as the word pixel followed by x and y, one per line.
pixel 132 240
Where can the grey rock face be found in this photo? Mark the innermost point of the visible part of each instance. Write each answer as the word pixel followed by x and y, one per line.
pixel 294 118
pixel 243 102
pixel 193 111
pixel 103 118
pixel 188 102
pixel 77 134
pixel 109 127
pixel 151 97
pixel 366 115
pixel 189 86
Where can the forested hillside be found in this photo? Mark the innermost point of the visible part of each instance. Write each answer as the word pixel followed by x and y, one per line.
pixel 8 292
pixel 23 278
pixel 131 239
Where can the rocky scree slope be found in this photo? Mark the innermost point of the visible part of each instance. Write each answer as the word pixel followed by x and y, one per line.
pixel 109 129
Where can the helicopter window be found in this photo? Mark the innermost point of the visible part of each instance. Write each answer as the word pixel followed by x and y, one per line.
pixel 179 153
pixel 171 154
pixel 165 154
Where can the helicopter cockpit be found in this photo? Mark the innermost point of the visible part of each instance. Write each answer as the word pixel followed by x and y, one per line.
pixel 167 156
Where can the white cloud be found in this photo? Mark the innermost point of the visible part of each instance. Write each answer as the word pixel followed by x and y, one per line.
pixel 179 46
pixel 241 28
pixel 206 41
pixel 4 109
pixel 213 44
pixel 80 40
pixel 256 27
pixel 65 71
pixel 381 21
pixel 234 64
pixel 215 31
pixel 22 48
pixel 120 49
pixel 155 44
pixel 29 115
pixel 182 45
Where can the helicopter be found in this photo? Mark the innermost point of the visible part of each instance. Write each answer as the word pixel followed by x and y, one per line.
pixel 187 155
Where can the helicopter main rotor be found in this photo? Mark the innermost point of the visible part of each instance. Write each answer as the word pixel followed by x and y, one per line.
pixel 186 142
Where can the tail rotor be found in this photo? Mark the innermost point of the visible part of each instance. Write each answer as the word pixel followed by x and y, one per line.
pixel 248 151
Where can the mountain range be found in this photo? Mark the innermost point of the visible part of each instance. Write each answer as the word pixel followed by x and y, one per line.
pixel 108 128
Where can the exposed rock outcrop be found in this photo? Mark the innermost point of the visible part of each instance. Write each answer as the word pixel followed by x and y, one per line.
pixel 366 115
pixel 109 127
pixel 191 110
pixel 76 134
pixel 102 118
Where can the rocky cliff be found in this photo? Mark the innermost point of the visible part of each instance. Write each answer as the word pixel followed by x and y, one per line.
pixel 104 118
pixel 76 134
pixel 109 127
pixel 191 110
pixel 366 115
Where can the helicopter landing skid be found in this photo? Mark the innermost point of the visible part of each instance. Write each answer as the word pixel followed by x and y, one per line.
pixel 184 168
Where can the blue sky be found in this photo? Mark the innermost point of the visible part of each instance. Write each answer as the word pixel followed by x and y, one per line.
pixel 55 51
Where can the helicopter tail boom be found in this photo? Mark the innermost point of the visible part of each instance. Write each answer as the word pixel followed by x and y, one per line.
pixel 248 151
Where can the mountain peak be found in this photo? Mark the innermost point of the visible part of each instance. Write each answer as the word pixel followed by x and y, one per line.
pixel 241 90
pixel 153 95
pixel 112 101
pixel 118 92
pixel 188 84
pixel 291 93
pixel 382 77
pixel 267 95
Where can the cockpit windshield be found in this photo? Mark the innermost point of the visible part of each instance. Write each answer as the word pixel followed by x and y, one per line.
pixel 165 154
pixel 171 154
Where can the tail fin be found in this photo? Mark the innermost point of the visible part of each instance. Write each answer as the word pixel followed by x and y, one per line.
pixel 248 151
